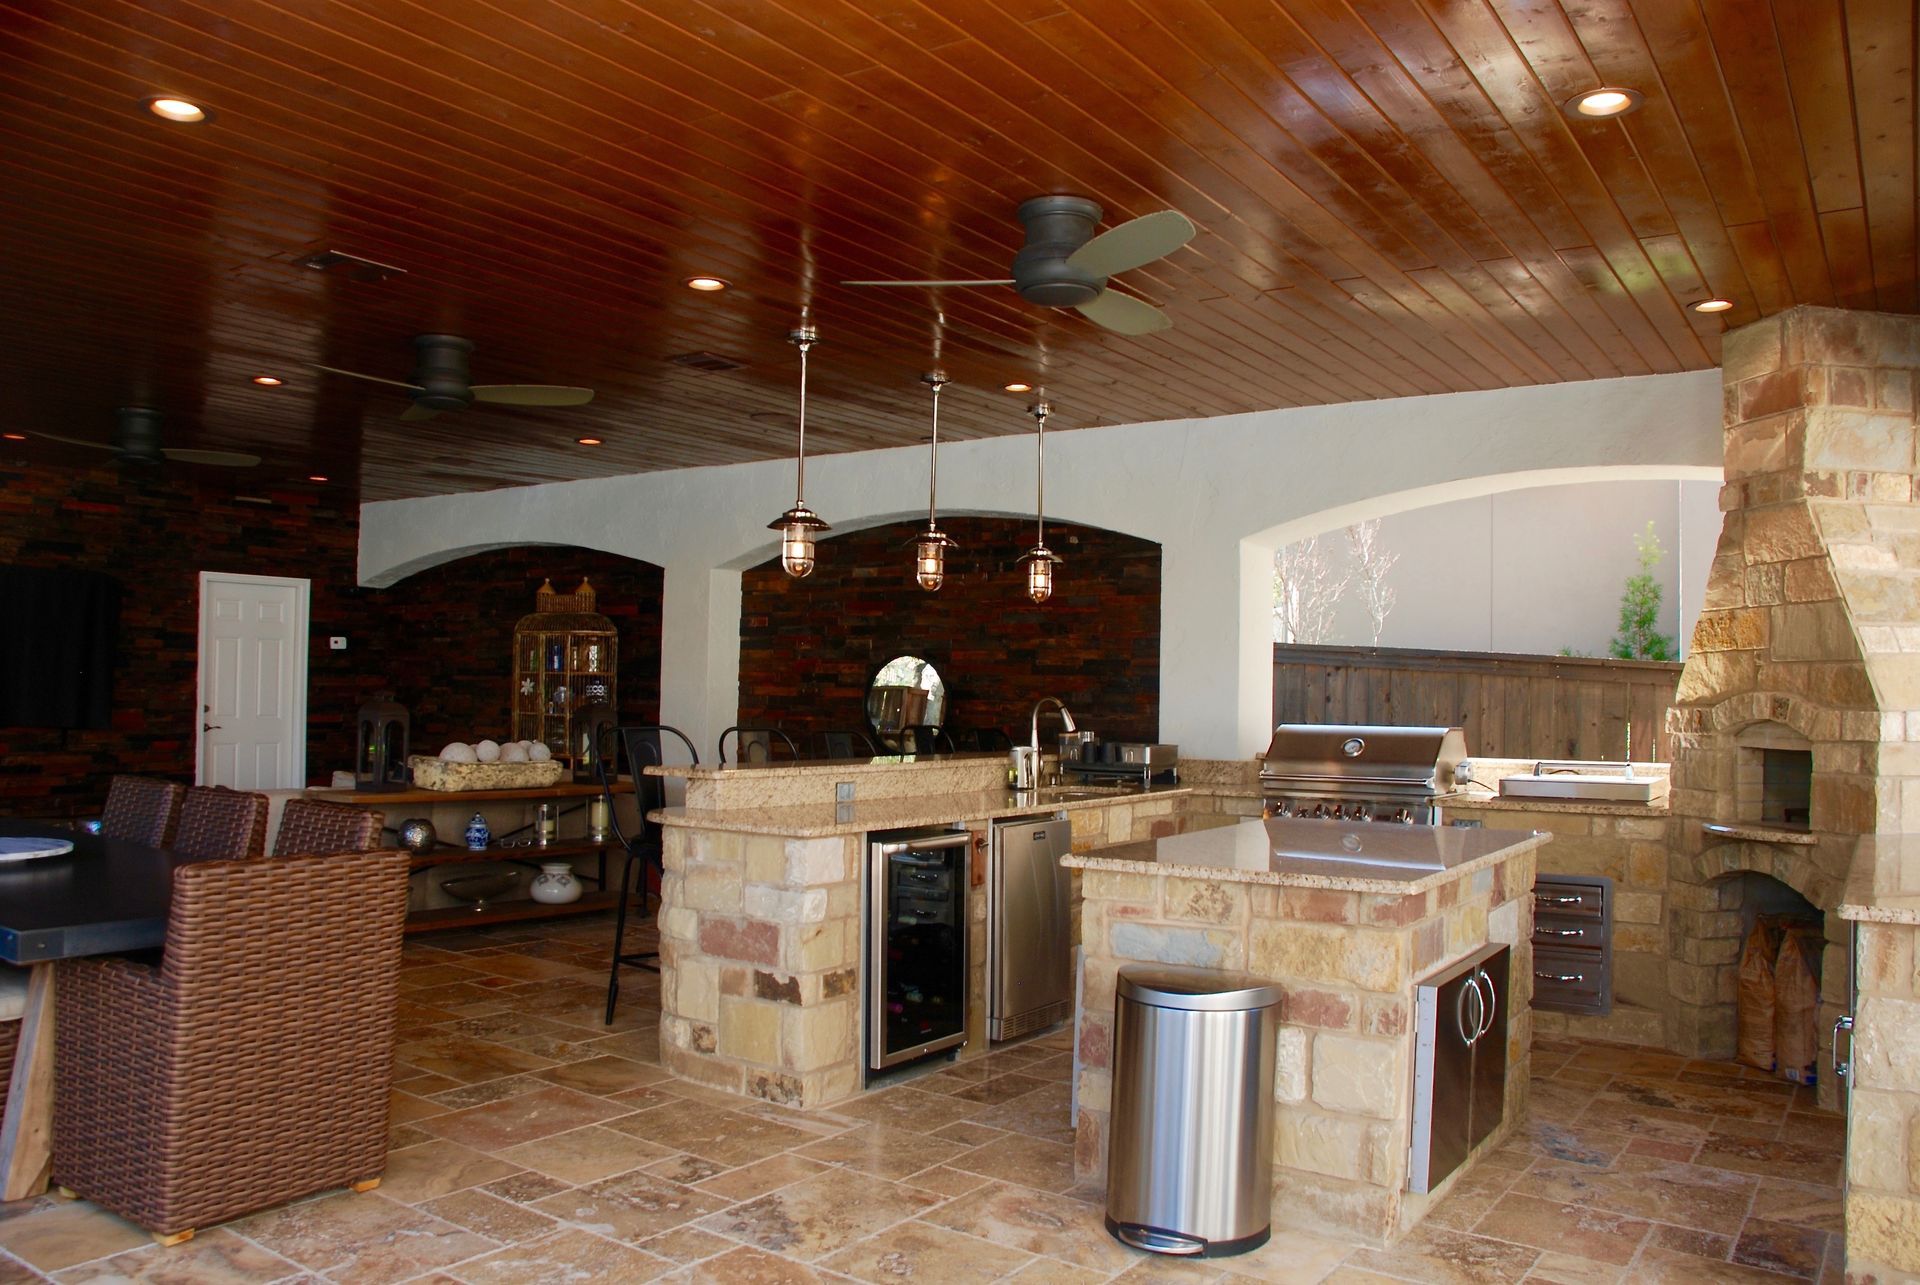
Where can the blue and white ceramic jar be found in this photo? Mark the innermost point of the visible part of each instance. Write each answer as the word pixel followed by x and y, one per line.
pixel 478 836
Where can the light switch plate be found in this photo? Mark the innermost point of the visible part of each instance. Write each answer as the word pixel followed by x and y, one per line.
pixel 336 642
pixel 843 791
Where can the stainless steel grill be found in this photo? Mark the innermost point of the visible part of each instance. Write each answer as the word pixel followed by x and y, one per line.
pixel 1354 772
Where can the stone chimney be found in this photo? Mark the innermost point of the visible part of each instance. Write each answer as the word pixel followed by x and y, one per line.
pixel 1796 727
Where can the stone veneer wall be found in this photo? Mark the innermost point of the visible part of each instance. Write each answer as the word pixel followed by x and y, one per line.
pixel 1632 851
pixel 1883 1131
pixel 1345 963
pixel 1811 621
pixel 808 648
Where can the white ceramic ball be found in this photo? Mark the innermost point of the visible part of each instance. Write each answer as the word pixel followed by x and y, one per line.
pixel 458 752
pixel 539 753
pixel 487 751
pixel 513 753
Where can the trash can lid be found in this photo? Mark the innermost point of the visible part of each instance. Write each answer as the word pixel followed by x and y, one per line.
pixel 1199 990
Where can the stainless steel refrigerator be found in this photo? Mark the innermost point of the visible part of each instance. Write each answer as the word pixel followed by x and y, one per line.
pixel 1029 929
pixel 1460 1063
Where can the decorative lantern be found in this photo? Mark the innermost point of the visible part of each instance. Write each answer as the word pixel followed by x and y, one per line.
pixel 380 752
pixel 931 545
pixel 596 736
pixel 1040 560
pixel 565 657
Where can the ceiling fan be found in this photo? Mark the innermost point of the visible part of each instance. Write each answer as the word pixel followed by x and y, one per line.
pixel 1064 265
pixel 441 382
pixel 136 440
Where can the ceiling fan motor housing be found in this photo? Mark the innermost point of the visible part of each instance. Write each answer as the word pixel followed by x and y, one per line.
pixel 136 436
pixel 442 372
pixel 1056 227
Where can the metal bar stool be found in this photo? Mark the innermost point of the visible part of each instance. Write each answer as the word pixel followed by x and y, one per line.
pixel 643 848
pixel 755 744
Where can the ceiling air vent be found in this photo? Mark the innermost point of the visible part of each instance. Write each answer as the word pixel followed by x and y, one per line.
pixel 709 361
pixel 349 265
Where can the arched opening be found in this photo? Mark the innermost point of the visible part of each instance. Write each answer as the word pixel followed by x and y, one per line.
pixel 441 638
pixel 809 647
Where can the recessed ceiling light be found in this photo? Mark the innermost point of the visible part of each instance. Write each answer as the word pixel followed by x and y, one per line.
pixel 1610 100
pixel 708 284
pixel 1711 305
pixel 268 381
pixel 14 437
pixel 317 477
pixel 180 110
pixel 590 441
pixel 1018 387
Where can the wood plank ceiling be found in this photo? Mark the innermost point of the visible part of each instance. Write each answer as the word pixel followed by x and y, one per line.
pixel 1391 202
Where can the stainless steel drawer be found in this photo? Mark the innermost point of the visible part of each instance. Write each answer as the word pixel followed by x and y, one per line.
pixel 1569 930
pixel 1581 899
pixel 1569 979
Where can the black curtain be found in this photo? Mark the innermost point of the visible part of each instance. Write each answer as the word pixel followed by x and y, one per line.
pixel 58 631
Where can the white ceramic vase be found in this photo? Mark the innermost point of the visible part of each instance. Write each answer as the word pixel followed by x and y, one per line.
pixel 555 884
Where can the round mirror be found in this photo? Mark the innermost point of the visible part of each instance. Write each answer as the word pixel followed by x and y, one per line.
pixel 906 692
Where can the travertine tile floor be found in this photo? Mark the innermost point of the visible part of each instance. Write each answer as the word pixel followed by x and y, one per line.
pixel 533 1144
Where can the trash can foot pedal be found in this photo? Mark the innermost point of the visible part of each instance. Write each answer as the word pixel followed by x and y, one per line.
pixel 1155 1240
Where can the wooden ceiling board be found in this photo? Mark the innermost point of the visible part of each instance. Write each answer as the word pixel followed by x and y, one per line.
pixel 1390 201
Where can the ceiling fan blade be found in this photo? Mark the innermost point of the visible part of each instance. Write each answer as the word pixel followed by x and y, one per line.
pixel 1137 241
pixel 998 281
pixel 77 441
pixel 214 459
pixel 531 394
pixel 1124 315
pixel 371 379
pixel 417 411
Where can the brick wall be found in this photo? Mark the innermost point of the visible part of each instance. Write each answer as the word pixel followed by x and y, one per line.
pixel 439 639
pixel 808 647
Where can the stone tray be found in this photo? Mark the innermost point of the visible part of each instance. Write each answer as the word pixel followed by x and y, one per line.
pixel 438 774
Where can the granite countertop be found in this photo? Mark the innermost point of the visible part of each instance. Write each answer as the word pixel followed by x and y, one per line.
pixel 814 767
pixel 816 820
pixel 1883 884
pixel 1585 807
pixel 1347 856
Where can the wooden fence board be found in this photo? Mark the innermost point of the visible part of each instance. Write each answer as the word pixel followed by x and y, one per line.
pixel 1511 705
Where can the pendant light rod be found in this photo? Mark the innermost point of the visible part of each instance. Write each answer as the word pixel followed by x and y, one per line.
pixel 803 338
pixel 936 381
pixel 1040 411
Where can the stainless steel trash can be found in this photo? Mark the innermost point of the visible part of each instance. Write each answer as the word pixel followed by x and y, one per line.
pixel 1190 1141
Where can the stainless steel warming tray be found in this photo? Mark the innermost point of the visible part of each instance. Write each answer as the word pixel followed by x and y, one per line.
pixel 1361 772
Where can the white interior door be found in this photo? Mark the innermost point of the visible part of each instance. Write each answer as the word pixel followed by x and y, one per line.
pixel 252 723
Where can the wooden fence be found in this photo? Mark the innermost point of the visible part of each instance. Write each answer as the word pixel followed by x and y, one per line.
pixel 1512 706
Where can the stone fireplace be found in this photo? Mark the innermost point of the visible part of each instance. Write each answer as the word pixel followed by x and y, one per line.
pixel 1796 727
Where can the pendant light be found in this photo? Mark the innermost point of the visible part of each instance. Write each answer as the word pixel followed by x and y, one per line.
pixel 930 548
pixel 1039 559
pixel 799 523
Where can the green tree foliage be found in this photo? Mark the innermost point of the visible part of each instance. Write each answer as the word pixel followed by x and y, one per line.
pixel 1640 637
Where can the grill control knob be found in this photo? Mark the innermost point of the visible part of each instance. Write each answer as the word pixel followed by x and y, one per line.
pixel 1360 812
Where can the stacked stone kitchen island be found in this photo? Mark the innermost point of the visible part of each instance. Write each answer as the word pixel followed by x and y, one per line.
pixel 1345 918
pixel 760 906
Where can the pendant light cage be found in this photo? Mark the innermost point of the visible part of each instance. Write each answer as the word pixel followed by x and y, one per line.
pixel 799 525
pixel 1039 561
pixel 931 545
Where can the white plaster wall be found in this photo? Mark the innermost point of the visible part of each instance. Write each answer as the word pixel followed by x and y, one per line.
pixel 1534 570
pixel 1218 495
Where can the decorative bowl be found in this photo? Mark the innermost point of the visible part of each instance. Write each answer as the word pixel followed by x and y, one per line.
pixel 479 889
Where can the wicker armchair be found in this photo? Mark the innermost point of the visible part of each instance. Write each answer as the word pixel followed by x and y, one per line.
pixel 218 822
pixel 141 810
pixel 312 826
pixel 252 1065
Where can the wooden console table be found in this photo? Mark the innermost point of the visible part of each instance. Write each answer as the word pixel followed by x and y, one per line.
pixel 400 805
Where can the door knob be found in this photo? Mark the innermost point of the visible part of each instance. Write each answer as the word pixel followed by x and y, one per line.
pixel 210 727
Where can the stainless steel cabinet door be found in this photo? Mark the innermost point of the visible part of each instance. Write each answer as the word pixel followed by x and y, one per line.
pixel 1032 952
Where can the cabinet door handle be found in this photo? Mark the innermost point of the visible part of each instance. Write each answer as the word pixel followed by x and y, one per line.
pixel 1562 900
pixel 1490 1008
pixel 1842 1067
pixel 1561 977
pixel 1559 932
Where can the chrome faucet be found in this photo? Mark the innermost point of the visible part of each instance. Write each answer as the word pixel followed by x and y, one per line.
pixel 1065 717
